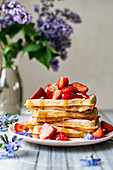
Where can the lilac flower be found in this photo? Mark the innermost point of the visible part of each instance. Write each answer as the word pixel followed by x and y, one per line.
pixel 14 12
pixel 89 136
pixel 90 161
pixel 35 8
pixel 54 64
pixel 24 133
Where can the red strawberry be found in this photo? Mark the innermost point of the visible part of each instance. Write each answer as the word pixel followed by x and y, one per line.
pixel 49 95
pixel 98 133
pixel 83 95
pixel 69 89
pixel 80 87
pixel 21 127
pixel 38 94
pixel 60 136
pixel 47 131
pixel 46 88
pixel 57 94
pixel 69 95
pixel 53 87
pixel 62 82
pixel 106 126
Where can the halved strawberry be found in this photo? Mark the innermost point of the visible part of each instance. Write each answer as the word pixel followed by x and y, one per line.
pixel 47 131
pixel 60 136
pixel 53 87
pixel 62 82
pixel 38 94
pixel 83 95
pixel 49 95
pixel 106 126
pixel 69 89
pixel 57 94
pixel 46 87
pixel 69 95
pixel 98 133
pixel 21 127
pixel 80 87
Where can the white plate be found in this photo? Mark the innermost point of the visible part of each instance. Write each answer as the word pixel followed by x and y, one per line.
pixel 70 142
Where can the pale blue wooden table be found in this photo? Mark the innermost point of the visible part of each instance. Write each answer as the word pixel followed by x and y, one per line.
pixel 38 157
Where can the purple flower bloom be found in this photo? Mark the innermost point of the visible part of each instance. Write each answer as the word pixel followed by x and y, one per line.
pixel 10 148
pixel 89 136
pixel 90 161
pixel 24 133
pixel 54 64
pixel 6 120
pixel 14 12
pixel 35 8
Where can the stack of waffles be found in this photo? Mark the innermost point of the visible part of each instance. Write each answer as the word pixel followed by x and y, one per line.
pixel 76 117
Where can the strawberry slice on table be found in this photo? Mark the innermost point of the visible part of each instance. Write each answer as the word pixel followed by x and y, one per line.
pixel 83 95
pixel 60 136
pixel 21 127
pixel 69 89
pixel 98 133
pixel 62 82
pixel 38 94
pixel 80 87
pixel 57 94
pixel 69 95
pixel 106 126
pixel 53 87
pixel 47 131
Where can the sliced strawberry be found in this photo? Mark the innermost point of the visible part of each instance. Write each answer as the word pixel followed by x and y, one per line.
pixel 83 95
pixel 53 87
pixel 69 89
pixel 106 126
pixel 49 95
pixel 46 88
pixel 80 87
pixel 21 127
pixel 69 95
pixel 47 131
pixel 60 136
pixel 38 94
pixel 62 82
pixel 98 133
pixel 57 94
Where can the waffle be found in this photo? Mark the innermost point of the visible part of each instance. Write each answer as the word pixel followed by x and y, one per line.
pixel 72 133
pixel 89 114
pixel 63 103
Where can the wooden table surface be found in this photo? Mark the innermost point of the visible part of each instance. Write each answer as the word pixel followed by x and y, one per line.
pixel 38 157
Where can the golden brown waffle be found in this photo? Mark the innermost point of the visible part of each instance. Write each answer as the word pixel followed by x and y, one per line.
pixel 50 102
pixel 56 115
pixel 79 108
pixel 77 124
pixel 70 132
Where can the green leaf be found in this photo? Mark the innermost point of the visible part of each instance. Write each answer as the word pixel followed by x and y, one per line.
pixel 51 48
pixel 2 138
pixel 1 144
pixel 29 30
pixel 43 56
pixel 3 38
pixel 32 47
pixel 6 138
pixel 11 30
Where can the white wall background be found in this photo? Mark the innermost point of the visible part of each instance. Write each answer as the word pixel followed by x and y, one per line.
pixel 90 59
